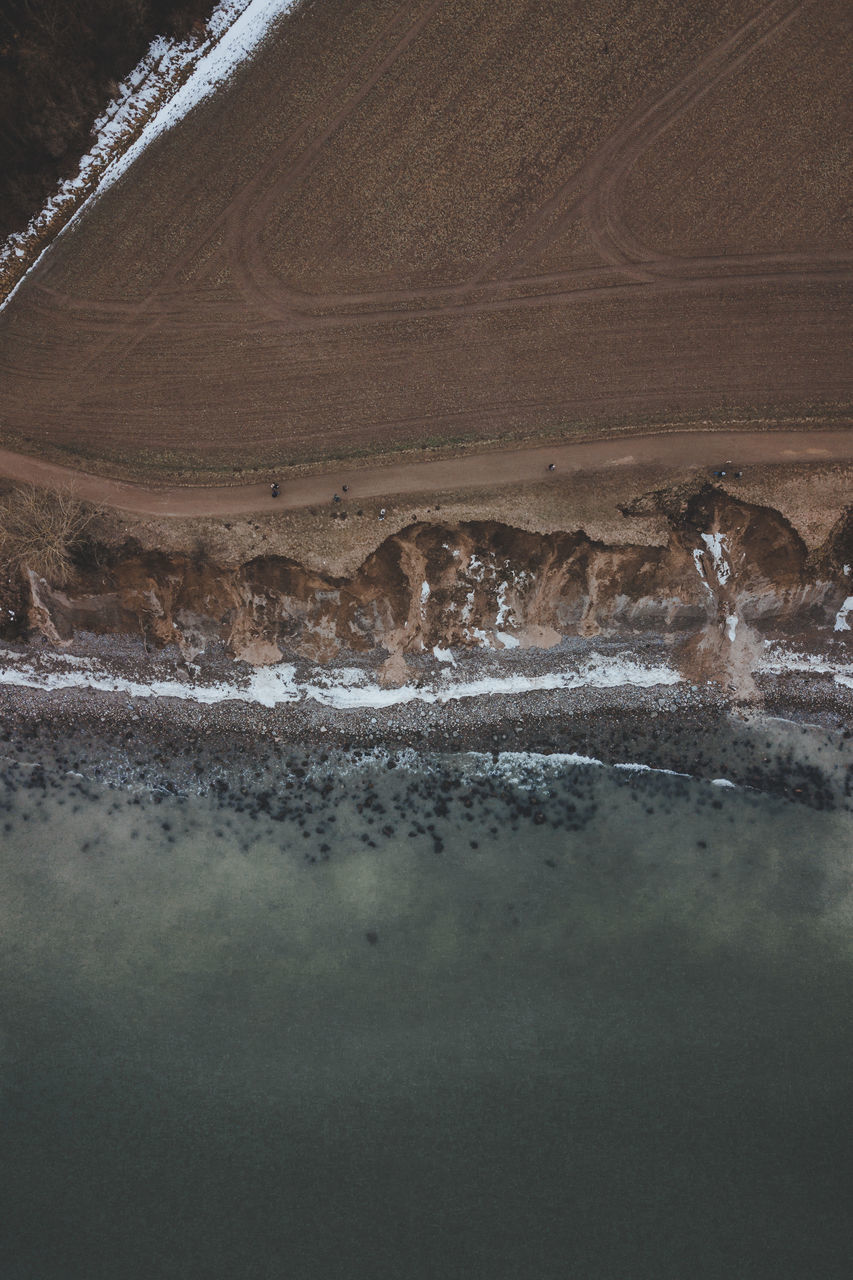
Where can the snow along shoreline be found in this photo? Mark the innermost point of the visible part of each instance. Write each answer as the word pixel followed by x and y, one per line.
pixel 779 661
pixel 352 688
pixel 342 689
pixel 110 719
pixel 173 77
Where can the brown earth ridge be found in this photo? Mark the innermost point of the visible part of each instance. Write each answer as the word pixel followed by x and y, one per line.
pixel 479 583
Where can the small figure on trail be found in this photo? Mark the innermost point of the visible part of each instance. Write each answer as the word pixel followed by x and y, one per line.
pixel 345 488
pixel 274 489
pixel 336 498
pixel 381 513
pixel 552 466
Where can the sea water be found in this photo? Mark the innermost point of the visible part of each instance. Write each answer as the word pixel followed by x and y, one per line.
pixel 424 1017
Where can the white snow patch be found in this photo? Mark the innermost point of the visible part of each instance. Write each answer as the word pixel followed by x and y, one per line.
pixel 841 623
pixel 233 32
pixel 480 635
pixel 718 549
pixel 508 641
pixel 721 782
pixel 731 627
pixel 846 570
pixel 476 569
pixel 237 29
pixel 424 592
pixel 444 655
pixel 781 661
pixel 700 569
pixel 503 608
pixel 342 689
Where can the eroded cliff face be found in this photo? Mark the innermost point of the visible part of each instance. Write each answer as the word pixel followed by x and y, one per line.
pixel 730 573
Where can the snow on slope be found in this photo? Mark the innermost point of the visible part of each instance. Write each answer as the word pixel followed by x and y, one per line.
pixel 718 549
pixel 841 623
pixel 153 94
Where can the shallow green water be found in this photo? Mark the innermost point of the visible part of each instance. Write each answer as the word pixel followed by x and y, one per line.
pixel 574 1024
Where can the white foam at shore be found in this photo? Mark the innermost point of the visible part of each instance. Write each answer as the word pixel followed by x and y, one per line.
pixel 511 763
pixel 342 689
pixel 514 766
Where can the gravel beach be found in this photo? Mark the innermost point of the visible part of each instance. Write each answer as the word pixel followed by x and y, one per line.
pixel 179 744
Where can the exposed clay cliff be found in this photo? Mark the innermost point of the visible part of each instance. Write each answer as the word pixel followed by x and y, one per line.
pixel 731 574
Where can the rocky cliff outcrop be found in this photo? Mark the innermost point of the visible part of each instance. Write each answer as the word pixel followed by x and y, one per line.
pixel 730 572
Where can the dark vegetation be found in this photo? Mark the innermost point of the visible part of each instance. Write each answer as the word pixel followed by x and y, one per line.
pixel 60 63
pixel 42 530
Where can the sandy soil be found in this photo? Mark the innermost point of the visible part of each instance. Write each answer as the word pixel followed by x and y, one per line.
pixel 448 221
pixel 674 452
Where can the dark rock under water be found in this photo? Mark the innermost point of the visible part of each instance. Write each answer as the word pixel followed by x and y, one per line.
pixel 360 1020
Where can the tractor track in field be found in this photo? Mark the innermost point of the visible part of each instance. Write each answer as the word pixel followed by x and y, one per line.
pixel 220 348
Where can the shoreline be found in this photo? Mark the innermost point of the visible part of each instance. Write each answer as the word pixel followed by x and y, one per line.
pixel 173 746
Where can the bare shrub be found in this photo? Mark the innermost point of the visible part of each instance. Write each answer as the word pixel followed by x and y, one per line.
pixel 40 530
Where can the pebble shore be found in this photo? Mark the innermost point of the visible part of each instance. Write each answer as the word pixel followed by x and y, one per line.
pixel 182 745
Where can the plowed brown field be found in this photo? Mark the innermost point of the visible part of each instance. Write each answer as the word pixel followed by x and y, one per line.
pixel 409 224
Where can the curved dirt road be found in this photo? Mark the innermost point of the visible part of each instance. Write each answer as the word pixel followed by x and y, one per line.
pixel 683 449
